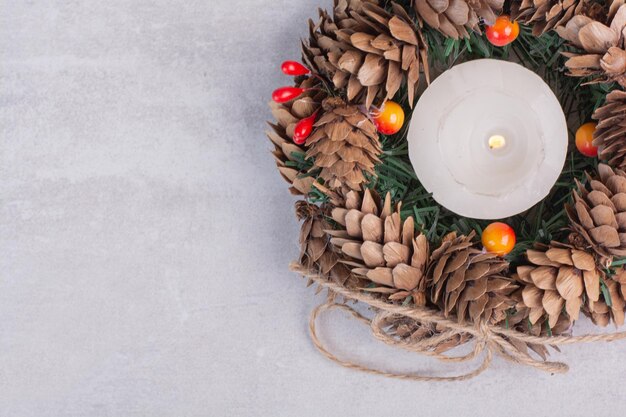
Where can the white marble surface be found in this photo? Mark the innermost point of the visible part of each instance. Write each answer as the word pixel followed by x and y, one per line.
pixel 145 234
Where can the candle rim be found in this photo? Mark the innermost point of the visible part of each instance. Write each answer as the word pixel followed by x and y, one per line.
pixel 469 203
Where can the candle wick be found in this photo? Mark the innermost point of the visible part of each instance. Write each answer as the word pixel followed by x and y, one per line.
pixel 497 142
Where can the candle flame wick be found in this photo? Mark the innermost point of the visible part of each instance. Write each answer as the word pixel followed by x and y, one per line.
pixel 497 142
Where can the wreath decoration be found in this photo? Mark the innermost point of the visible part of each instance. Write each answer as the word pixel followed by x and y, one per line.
pixel 372 234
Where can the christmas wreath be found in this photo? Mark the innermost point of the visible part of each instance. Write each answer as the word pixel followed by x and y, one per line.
pixel 372 233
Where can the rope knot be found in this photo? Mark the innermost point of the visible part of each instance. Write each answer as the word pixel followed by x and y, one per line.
pixel 507 343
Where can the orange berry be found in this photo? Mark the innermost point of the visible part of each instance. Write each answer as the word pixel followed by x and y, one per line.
pixel 498 238
pixel 389 119
pixel 503 32
pixel 584 139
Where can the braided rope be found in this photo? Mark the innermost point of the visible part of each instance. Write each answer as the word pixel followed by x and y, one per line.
pixel 488 339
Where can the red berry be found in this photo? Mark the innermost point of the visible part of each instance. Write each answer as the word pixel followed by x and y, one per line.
pixel 294 68
pixel 303 129
pixel 389 119
pixel 584 140
pixel 498 238
pixel 503 32
pixel 285 94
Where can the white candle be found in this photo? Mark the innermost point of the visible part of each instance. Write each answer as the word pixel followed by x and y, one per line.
pixel 488 139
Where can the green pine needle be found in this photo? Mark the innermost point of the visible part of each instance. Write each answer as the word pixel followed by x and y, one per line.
pixel 605 293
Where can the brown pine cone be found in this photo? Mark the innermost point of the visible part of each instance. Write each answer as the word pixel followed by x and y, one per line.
pixel 610 133
pixel 545 15
pixel 287 115
pixel 467 282
pixel 381 247
pixel 620 278
pixel 599 212
pixel 611 307
pixel 368 51
pixel 556 282
pixel 454 18
pixel 519 321
pixel 604 57
pixel 316 253
pixel 602 313
pixel 344 144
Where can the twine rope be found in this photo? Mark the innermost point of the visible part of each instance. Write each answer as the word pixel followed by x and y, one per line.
pixel 487 339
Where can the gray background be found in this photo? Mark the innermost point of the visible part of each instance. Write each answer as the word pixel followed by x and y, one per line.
pixel 145 234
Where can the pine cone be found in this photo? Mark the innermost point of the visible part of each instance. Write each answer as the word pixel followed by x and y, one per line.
pixel 316 253
pixel 454 18
pixel 344 144
pixel 467 282
pixel 602 313
pixel 545 15
pixel 520 321
pixel 368 51
pixel 599 215
pixel 614 65
pixel 555 283
pixel 620 278
pixel 610 134
pixel 287 115
pixel 604 58
pixel 381 247
pixel 611 308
